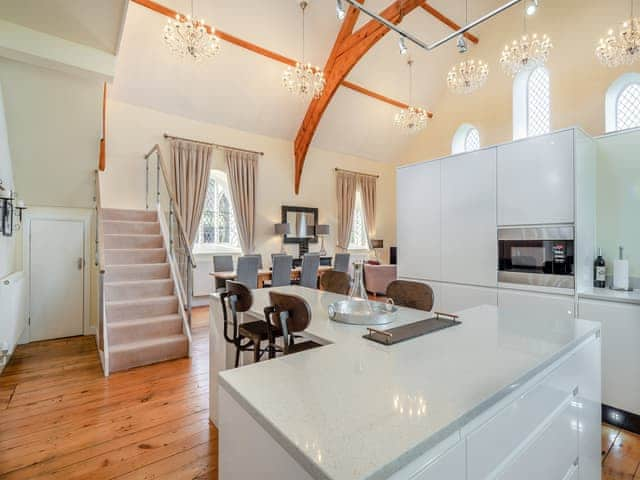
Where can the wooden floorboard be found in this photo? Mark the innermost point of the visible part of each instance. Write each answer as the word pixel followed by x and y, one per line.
pixel 61 419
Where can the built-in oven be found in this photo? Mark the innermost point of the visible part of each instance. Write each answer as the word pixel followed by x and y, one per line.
pixel 539 256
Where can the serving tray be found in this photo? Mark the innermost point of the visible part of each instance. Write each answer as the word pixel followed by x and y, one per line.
pixel 412 330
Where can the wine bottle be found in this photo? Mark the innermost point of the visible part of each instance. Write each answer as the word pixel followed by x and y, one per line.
pixel 599 271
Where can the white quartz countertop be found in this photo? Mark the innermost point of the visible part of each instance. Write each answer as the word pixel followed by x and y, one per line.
pixel 355 409
pixel 610 295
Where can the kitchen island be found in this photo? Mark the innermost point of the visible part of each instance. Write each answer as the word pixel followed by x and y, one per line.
pixel 506 395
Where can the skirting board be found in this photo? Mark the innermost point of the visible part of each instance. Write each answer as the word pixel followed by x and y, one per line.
pixel 620 418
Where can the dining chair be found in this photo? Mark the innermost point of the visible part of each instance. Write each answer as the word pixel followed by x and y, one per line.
pixel 281 271
pixel 222 263
pixel 309 274
pixel 335 282
pixel 258 256
pixel 246 336
pixel 247 272
pixel 411 294
pixel 341 262
pixel 288 315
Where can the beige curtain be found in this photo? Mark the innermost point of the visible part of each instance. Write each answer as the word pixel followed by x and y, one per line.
pixel 367 185
pixel 241 168
pixel 190 166
pixel 346 184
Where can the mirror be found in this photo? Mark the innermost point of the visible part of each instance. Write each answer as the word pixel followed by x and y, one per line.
pixel 302 222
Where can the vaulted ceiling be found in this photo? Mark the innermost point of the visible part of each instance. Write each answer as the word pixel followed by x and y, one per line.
pixel 241 89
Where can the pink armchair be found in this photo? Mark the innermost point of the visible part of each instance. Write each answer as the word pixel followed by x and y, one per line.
pixel 378 277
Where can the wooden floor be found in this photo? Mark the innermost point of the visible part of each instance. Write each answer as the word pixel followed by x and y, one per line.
pixel 60 418
pixel 620 454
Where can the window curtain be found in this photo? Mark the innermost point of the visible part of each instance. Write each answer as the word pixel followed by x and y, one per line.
pixel 241 169
pixel 367 186
pixel 346 185
pixel 190 165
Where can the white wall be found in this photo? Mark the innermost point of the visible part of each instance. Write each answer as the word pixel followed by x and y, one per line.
pixel 54 123
pixel 7 244
pixel 133 130
pixel 618 207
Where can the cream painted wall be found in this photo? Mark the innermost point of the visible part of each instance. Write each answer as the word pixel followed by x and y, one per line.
pixel 618 209
pixel 134 130
pixel 578 81
pixel 54 123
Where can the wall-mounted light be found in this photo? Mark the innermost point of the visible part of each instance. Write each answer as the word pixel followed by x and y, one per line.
pixel 340 11
pixel 6 214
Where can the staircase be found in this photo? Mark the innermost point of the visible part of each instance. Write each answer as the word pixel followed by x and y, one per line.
pixel 144 323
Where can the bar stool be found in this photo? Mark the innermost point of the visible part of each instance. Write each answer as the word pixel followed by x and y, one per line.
pixel 253 333
pixel 411 294
pixel 289 314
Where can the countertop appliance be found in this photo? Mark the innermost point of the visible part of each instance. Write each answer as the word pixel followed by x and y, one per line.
pixel 537 255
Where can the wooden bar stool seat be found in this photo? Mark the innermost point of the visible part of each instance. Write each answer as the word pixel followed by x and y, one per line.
pixel 289 314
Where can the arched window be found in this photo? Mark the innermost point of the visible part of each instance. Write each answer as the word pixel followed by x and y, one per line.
pixel 358 239
pixel 622 103
pixel 466 139
pixel 531 103
pixel 217 225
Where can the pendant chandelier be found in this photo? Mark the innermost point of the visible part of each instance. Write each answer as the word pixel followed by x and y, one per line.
pixel 411 119
pixel 188 37
pixel 621 47
pixel 468 75
pixel 529 52
pixel 304 80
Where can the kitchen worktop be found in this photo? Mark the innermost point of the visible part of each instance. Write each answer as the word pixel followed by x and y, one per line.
pixel 610 295
pixel 356 409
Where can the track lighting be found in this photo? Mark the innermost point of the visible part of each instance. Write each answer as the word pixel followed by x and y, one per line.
pixel 340 11
pixel 461 44
pixel 403 46
pixel 532 6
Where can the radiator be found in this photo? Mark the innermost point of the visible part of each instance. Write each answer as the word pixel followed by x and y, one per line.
pixel 13 318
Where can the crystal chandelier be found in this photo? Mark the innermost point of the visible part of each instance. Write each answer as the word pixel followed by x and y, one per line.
pixel 467 76
pixel 529 52
pixel 411 119
pixel 187 36
pixel 304 79
pixel 623 47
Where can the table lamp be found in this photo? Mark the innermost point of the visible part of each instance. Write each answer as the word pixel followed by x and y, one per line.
pixel 375 245
pixel 282 229
pixel 322 231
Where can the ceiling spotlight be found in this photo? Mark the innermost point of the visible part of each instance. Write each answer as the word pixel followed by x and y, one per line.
pixel 340 11
pixel 461 44
pixel 403 46
pixel 532 6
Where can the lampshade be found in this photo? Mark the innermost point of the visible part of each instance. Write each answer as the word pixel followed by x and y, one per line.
pixel 322 229
pixel 281 228
pixel 377 244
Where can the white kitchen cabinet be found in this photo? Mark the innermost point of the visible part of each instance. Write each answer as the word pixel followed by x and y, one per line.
pixel 620 351
pixel 542 305
pixel 454 298
pixel 202 282
pixel 469 246
pixel 418 220
pixel 536 180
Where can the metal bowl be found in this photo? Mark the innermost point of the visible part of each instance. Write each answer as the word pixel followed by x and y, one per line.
pixel 360 312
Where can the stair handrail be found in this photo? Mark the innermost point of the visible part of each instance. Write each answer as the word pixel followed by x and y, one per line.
pixel 161 167
pixel 101 330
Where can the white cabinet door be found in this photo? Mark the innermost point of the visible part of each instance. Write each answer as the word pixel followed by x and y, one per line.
pixel 543 306
pixel 418 233
pixel 455 298
pixel 536 180
pixel 620 352
pixel 469 237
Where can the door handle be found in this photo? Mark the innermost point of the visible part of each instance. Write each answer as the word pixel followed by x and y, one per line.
pixel 80 263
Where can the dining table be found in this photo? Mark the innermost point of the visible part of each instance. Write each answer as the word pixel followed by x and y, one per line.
pixel 264 275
